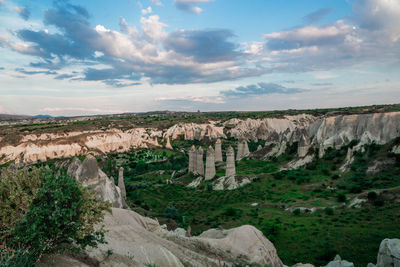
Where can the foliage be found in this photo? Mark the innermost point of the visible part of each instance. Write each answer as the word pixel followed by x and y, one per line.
pixel 18 257
pixel 17 191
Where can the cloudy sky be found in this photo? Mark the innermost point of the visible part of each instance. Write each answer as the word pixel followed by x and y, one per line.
pixel 99 56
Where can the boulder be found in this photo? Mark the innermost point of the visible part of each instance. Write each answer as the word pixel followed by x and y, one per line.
pixel 389 253
pixel 338 262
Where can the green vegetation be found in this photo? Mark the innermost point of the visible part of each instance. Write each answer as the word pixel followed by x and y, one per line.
pixel 43 213
pixel 299 237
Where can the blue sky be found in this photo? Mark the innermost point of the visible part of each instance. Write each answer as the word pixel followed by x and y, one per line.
pixel 99 56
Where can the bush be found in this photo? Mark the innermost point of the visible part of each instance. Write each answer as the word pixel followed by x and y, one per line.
pixel 58 213
pixel 372 196
pixel 329 211
pixel 296 212
pixel 341 197
pixel 270 230
pixel 10 257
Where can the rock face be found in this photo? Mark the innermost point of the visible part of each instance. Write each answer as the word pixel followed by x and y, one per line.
pixel 192 160
pixel 89 174
pixel 121 183
pixel 210 164
pixel 199 161
pixel 218 151
pixel 309 131
pixel 230 162
pixel 140 241
pixel 389 253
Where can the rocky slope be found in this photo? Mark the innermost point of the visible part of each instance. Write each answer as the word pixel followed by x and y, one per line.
pixel 308 131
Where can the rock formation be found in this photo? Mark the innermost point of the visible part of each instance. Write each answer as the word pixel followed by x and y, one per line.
pixel 192 160
pixel 338 262
pixel 210 164
pixel 121 183
pixel 90 175
pixel 140 241
pixel 389 253
pixel 199 161
pixel 242 149
pixel 168 144
pixel 230 162
pixel 218 151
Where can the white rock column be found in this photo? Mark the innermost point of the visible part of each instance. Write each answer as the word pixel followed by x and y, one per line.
pixel 218 151
pixel 210 163
pixel 199 161
pixel 121 183
pixel 192 160
pixel 230 162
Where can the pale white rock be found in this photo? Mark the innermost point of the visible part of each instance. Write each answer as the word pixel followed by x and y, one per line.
pixel 121 183
pixel 230 162
pixel 298 162
pixel 196 182
pixel 89 174
pixel 389 253
pixel 231 182
pixel 168 144
pixel 218 151
pixel 194 131
pixel 303 265
pixel 396 149
pixel 338 262
pixel 210 164
pixel 357 202
pixel 199 161
pixel 192 160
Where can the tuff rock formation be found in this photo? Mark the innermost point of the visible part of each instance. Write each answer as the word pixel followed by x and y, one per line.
pixel 140 241
pixel 168 144
pixel 242 150
pixel 218 151
pixel 89 174
pixel 192 160
pixel 199 161
pixel 210 164
pixel 230 162
pixel 338 262
pixel 193 131
pixel 121 183
pixel 389 253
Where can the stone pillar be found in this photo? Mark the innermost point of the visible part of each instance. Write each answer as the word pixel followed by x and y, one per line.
pixel 199 161
pixel 230 162
pixel 218 151
pixel 210 163
pixel 246 150
pixel 121 183
pixel 192 160
pixel 304 146
pixel 240 148
pixel 168 145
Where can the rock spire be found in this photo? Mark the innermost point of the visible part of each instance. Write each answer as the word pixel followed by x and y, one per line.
pixel 210 163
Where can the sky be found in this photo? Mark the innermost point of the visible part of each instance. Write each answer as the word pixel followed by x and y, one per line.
pixel 89 57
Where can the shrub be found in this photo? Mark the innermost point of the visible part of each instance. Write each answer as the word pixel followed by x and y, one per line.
pixel 10 257
pixel 372 196
pixel 270 230
pixel 329 211
pixel 62 217
pixel 341 197
pixel 296 212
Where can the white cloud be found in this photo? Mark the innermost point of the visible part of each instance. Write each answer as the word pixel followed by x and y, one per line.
pixel 156 2
pixel 189 5
pixel 199 99
pixel 147 10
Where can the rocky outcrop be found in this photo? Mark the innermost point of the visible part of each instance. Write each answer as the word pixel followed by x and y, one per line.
pixel 210 164
pixel 232 182
pixel 230 162
pixel 193 131
pixel 121 183
pixel 389 253
pixel 140 241
pixel 199 161
pixel 89 174
pixel 218 151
